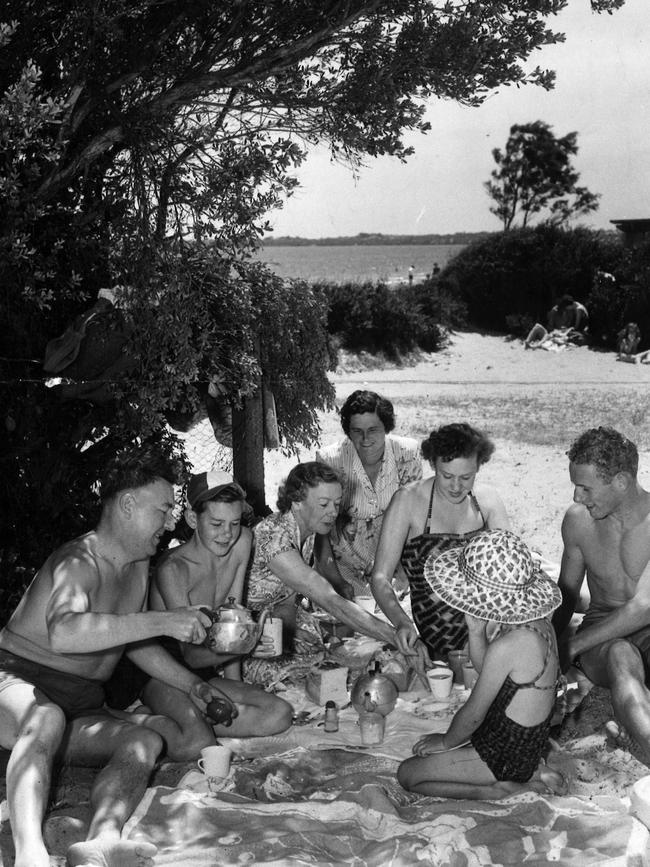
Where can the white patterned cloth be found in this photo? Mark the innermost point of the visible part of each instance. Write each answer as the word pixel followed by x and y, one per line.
pixel 363 505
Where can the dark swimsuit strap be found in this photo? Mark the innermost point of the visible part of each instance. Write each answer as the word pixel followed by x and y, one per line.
pixel 532 684
pixel 427 526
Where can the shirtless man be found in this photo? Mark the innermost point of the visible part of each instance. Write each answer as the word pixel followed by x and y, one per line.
pixel 207 570
pixel 84 608
pixel 607 534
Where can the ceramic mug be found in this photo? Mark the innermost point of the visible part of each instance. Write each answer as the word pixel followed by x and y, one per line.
pixel 441 681
pixel 215 761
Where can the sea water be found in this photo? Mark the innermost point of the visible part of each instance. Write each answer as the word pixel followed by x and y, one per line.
pixel 387 263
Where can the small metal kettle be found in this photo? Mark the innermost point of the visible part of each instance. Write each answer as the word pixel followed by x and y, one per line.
pixel 233 629
pixel 376 688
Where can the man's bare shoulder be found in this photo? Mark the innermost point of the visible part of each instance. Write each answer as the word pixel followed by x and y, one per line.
pixel 576 520
pixel 77 557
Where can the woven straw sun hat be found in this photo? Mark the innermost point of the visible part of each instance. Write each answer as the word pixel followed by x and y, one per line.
pixel 493 577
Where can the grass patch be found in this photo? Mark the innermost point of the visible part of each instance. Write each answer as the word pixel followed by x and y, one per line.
pixel 546 415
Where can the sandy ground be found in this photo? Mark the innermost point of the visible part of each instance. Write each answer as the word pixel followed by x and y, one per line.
pixel 533 481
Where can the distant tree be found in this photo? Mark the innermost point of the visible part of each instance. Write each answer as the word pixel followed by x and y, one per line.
pixel 535 175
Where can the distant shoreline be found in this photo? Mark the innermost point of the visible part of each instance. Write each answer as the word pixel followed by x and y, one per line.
pixel 367 239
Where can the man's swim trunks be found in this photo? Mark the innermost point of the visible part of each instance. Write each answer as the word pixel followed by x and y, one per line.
pixel 76 696
pixel 640 639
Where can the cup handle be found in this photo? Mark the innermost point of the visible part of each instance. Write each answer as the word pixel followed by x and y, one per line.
pixel 200 764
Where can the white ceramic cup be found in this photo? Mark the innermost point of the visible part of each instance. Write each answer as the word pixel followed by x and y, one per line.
pixel 366 602
pixel 273 630
pixel 441 681
pixel 215 761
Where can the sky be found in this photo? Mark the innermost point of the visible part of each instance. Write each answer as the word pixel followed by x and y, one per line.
pixel 602 92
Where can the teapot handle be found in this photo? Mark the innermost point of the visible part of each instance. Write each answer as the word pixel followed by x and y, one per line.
pixel 262 618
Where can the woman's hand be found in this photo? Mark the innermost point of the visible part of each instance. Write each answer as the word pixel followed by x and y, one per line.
pixel 430 744
pixel 409 642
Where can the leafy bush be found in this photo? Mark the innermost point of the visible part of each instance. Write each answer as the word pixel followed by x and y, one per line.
pixel 614 303
pixel 521 273
pixel 375 318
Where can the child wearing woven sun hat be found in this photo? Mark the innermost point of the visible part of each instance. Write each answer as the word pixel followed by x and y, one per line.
pixel 495 742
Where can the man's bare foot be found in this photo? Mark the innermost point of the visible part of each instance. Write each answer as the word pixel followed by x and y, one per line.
pixel 618 735
pixel 116 853
pixel 621 738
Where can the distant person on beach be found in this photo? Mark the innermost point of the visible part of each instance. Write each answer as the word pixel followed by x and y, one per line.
pixel 372 463
pixel 568 314
pixel 606 535
pixel 495 744
pixel 627 343
pixel 431 516
pixel 567 323
pixel 411 271
pixel 85 607
pixel 436 270
pixel 208 570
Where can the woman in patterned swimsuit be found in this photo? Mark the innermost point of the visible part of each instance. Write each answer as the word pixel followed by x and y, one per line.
pixel 495 743
pixel 432 516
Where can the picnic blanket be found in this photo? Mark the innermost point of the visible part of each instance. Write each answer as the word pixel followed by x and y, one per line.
pixel 310 797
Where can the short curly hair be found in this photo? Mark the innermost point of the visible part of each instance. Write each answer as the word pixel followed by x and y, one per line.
pixel 300 479
pixel 135 467
pixel 457 440
pixel 367 401
pixel 607 450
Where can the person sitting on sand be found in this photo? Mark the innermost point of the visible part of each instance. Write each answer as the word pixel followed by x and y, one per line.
pixel 495 744
pixel 207 570
pixel 628 339
pixel 83 609
pixel 372 463
pixel 606 534
pixel 627 343
pixel 434 514
pixel 568 314
pixel 293 559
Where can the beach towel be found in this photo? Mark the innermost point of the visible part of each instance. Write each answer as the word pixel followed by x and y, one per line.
pixel 310 797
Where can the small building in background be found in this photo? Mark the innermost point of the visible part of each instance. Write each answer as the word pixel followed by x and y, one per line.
pixel 634 231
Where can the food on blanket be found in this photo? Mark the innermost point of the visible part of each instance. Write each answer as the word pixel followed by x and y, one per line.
pixel 233 629
pixel 381 689
pixel 328 683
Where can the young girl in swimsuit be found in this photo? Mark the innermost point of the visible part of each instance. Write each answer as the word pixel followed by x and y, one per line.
pixel 429 516
pixel 495 743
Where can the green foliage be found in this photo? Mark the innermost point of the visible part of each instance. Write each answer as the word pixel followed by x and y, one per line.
pixel 375 318
pixel 626 298
pixel 129 125
pixel 534 175
pixel 523 272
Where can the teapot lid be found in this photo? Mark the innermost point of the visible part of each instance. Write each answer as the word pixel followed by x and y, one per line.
pixel 231 610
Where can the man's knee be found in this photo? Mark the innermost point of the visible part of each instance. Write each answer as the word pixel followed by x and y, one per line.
pixel 624 664
pixel 280 715
pixel 140 744
pixel 43 727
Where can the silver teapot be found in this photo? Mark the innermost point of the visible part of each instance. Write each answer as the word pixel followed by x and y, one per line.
pixel 233 629
pixel 374 688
